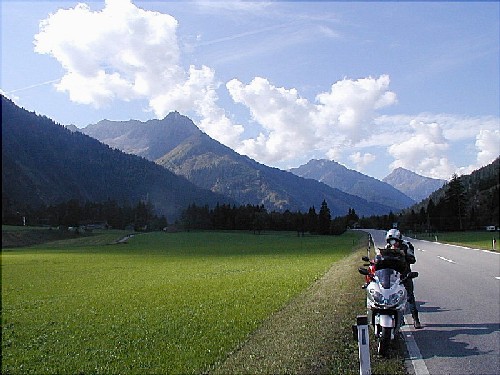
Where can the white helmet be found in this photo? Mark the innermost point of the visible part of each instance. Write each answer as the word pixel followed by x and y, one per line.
pixel 393 234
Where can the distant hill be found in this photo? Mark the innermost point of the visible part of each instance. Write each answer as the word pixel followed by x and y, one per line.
pixel 353 182
pixel 44 163
pixel 412 184
pixel 211 165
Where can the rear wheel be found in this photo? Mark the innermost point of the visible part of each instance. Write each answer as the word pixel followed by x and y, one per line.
pixel 384 340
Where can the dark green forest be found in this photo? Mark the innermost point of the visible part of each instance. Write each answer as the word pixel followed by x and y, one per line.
pixel 109 214
pixel 257 219
pixel 142 217
pixel 469 202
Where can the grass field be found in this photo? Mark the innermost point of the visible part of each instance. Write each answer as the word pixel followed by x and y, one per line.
pixel 474 239
pixel 163 303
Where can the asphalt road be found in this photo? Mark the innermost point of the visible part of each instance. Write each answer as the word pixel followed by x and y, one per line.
pixel 458 294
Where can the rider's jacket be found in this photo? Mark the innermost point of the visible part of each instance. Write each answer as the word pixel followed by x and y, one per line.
pixel 399 258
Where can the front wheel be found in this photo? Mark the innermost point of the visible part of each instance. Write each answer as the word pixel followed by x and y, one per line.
pixel 384 340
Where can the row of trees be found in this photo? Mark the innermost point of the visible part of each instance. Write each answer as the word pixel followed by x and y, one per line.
pixel 73 213
pixel 222 217
pixel 257 218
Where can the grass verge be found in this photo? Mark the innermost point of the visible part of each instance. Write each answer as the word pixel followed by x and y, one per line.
pixel 312 334
pixel 474 239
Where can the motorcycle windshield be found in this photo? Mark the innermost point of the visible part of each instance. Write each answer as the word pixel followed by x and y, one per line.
pixel 386 277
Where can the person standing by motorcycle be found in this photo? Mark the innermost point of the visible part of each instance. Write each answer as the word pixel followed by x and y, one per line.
pixel 405 249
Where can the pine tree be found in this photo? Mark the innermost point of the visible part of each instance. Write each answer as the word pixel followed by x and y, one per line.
pixel 455 200
pixel 324 219
pixel 312 220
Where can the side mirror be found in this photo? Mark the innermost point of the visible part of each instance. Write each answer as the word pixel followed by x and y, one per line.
pixel 363 271
pixel 365 258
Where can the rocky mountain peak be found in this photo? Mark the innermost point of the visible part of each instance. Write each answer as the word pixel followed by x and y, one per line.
pixel 412 184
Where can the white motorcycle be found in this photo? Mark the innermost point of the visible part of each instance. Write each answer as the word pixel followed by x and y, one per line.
pixel 386 300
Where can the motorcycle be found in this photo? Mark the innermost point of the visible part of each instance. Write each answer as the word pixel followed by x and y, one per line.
pixel 386 298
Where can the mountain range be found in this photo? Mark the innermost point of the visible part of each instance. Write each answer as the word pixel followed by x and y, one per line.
pixel 338 176
pixel 211 165
pixel 170 162
pixel 177 144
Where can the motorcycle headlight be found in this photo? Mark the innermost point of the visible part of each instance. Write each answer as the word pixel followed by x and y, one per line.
pixel 395 298
pixel 376 297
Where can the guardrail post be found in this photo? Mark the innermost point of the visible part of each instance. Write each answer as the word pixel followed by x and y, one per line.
pixel 364 345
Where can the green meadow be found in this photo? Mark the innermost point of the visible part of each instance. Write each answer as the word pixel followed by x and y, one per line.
pixel 162 303
pixel 474 239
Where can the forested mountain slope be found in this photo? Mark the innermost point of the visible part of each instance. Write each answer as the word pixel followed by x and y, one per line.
pixel 466 202
pixel 44 163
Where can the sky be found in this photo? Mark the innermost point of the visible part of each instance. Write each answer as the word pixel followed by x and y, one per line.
pixel 371 85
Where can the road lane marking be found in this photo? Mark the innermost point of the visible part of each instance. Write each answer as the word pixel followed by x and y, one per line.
pixel 414 354
pixel 446 260
pixel 460 246
pixel 463 247
pixel 497 277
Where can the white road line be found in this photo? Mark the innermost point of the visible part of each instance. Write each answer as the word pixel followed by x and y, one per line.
pixel 416 359
pixel 497 277
pixel 459 246
pixel 446 260
pixel 491 252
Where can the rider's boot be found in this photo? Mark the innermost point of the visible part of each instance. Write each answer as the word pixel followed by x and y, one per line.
pixel 416 320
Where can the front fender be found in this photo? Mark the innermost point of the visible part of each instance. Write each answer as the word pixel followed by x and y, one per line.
pixel 386 321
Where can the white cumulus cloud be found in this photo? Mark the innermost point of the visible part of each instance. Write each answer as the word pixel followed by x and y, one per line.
pixel 126 53
pixel 362 160
pixel 350 105
pixel 488 145
pixel 292 125
pixel 121 52
pixel 422 152
pixel 284 116
pixel 427 143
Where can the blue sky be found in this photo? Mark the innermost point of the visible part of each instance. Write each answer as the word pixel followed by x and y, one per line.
pixel 372 85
